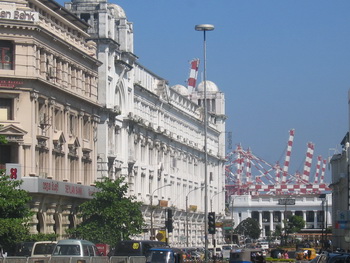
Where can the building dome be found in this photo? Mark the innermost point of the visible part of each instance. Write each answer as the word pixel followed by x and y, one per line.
pixel 117 11
pixel 211 86
pixel 180 89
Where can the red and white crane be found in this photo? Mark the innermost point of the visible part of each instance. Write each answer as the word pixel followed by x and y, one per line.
pixel 288 154
pixel 266 178
pixel 318 168
pixel 308 162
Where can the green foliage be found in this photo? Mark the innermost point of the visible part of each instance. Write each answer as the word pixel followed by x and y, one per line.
pixel 110 216
pixel 2 137
pixel 295 224
pixel 269 259
pixel 42 237
pixel 249 227
pixel 14 212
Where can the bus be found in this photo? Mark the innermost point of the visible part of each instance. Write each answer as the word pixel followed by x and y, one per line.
pixel 132 248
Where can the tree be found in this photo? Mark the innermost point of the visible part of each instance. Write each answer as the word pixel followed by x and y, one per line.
pixel 249 227
pixel 14 212
pixel 3 139
pixel 295 224
pixel 110 216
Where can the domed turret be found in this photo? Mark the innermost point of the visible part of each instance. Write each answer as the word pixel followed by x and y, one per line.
pixel 211 86
pixel 181 89
pixel 117 11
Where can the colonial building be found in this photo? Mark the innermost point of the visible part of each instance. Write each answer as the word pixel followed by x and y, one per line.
pixel 271 211
pixel 49 109
pixel 155 138
pixel 341 195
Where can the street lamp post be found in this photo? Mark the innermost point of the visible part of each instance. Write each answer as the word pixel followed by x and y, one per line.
pixel 211 200
pixel 152 210
pixel 232 200
pixel 285 202
pixel 187 214
pixel 323 198
pixel 205 28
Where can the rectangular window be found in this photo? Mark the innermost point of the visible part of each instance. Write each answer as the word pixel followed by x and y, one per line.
pixel 6 109
pixel 58 119
pixel 86 128
pixel 6 54
pixel 72 124
pixel 173 162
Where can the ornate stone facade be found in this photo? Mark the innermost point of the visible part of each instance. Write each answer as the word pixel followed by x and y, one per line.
pixel 48 109
pixel 157 137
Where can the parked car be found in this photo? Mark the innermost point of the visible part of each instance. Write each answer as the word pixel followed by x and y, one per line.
pixel 332 258
pixel 43 248
pixel 23 249
pixel 75 248
pixel 218 252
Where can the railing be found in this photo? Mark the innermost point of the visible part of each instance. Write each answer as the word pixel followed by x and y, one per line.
pixel 114 259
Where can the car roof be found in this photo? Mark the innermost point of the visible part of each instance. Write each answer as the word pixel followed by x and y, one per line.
pixel 45 242
pixel 166 249
pixel 74 242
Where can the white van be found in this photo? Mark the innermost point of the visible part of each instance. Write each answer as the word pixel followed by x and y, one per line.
pixel 43 248
pixel 218 252
pixel 75 248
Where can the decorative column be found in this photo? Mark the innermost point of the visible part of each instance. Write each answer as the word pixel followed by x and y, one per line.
pixel 271 221
pixel 260 221
pixel 35 207
pixel 50 217
pixel 64 224
pixel 304 216
pixel 315 219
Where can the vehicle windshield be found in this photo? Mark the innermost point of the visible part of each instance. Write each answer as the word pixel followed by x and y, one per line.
pixel 159 257
pixel 43 249
pixel 67 250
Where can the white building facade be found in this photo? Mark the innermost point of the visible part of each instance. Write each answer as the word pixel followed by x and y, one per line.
pixel 316 210
pixel 153 134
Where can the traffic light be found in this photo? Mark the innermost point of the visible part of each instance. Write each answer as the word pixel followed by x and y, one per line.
pixel 211 222
pixel 169 223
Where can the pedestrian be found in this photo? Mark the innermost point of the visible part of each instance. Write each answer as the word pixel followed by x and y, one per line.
pixel 305 254
pixel 286 254
pixel 279 255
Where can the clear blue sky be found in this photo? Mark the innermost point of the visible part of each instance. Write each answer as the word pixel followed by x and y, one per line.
pixel 283 64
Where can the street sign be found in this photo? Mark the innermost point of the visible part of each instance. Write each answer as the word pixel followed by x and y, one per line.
pixel 286 201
